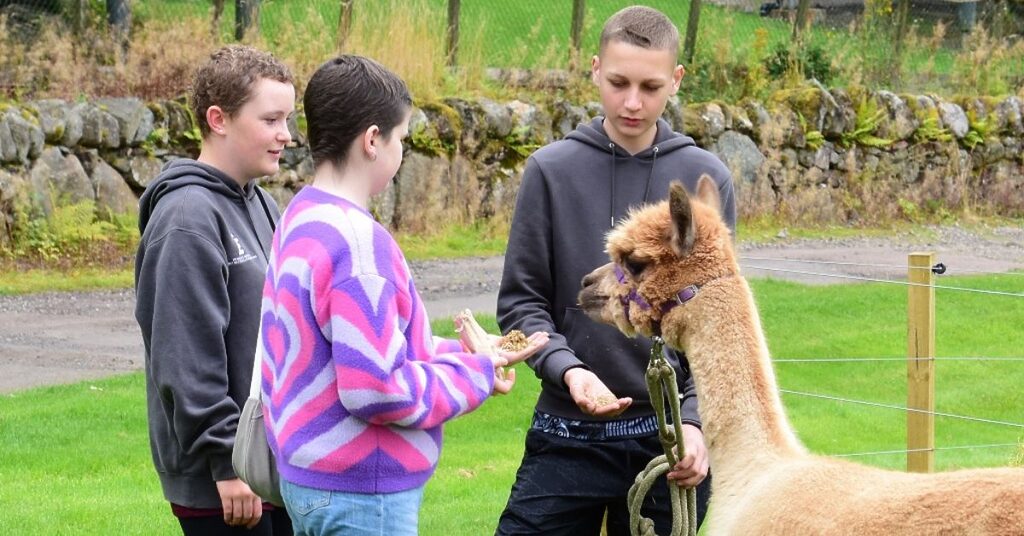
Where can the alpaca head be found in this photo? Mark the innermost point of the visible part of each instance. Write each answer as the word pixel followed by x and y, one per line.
pixel 660 256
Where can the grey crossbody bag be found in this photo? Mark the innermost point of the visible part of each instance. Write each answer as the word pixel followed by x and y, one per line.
pixel 251 457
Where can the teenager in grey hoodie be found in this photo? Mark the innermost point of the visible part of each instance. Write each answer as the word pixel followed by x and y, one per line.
pixel 594 428
pixel 199 273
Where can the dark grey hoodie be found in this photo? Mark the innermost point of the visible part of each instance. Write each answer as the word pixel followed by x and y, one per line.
pixel 572 193
pixel 199 275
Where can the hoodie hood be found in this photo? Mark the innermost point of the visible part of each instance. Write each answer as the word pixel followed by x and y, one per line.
pixel 665 142
pixel 187 172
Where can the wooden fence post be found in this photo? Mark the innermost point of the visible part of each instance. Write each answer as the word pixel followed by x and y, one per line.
pixel 453 32
pixel 119 19
pixel 218 12
pixel 921 363
pixel 900 35
pixel 344 23
pixel 575 34
pixel 692 22
pixel 247 16
pixel 800 22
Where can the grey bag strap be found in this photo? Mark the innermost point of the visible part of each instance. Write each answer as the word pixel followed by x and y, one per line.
pixel 257 370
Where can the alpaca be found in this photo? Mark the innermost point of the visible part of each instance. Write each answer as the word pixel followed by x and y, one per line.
pixel 674 274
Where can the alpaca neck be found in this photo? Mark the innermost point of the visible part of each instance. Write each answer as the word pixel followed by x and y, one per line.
pixel 743 420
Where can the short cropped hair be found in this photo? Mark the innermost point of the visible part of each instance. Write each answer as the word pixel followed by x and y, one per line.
pixel 641 26
pixel 346 96
pixel 227 78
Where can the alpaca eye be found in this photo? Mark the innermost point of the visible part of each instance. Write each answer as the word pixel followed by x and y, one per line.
pixel 634 267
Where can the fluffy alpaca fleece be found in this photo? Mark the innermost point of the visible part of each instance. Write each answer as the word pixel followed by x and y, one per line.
pixel 765 481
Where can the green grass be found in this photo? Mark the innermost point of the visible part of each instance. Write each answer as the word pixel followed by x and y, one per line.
pixel 14 281
pixel 477 240
pixel 450 242
pixel 75 459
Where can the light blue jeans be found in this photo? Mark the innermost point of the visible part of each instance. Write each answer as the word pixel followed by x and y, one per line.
pixel 317 512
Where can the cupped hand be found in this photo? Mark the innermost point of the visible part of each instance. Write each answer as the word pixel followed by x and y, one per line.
pixel 591 394
pixel 242 507
pixel 503 383
pixel 534 342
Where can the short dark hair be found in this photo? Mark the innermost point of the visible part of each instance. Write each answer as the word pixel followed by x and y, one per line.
pixel 227 79
pixel 346 96
pixel 641 26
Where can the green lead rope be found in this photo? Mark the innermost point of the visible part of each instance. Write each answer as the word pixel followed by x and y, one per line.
pixel 661 378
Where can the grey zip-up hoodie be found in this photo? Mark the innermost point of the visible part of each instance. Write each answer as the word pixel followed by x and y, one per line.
pixel 572 193
pixel 199 275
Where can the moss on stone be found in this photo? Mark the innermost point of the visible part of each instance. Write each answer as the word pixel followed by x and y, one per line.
pixel 31 115
pixel 806 101
pixel 452 119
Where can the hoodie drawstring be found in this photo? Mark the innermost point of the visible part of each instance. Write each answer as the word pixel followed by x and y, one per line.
pixel 654 160
pixel 647 188
pixel 611 198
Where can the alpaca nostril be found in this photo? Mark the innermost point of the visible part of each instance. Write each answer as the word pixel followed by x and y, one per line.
pixel 587 280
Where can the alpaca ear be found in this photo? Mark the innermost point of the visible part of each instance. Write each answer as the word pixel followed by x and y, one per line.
pixel 682 232
pixel 707 193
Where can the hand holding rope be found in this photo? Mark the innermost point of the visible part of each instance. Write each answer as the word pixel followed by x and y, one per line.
pixel 661 378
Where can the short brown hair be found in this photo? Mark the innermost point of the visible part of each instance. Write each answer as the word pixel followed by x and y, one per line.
pixel 346 96
pixel 641 26
pixel 227 78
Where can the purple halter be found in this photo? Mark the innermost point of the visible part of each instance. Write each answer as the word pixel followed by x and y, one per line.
pixel 681 297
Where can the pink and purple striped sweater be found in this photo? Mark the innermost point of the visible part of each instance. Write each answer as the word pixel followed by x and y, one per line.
pixel 355 386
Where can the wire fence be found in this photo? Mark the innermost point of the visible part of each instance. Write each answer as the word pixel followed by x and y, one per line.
pixel 1017 428
pixel 732 48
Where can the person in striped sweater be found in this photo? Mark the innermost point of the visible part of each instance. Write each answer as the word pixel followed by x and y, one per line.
pixel 355 385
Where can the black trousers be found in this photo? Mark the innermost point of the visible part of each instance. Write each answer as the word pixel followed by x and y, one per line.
pixel 273 523
pixel 565 486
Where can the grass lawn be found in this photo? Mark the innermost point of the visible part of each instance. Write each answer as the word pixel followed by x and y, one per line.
pixel 75 459
pixel 13 281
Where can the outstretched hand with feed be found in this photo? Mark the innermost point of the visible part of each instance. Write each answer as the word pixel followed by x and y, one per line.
pixel 503 351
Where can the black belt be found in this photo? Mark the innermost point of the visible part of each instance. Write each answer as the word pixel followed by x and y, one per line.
pixel 595 430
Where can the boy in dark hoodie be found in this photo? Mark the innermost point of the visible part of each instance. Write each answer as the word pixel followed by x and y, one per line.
pixel 206 232
pixel 594 428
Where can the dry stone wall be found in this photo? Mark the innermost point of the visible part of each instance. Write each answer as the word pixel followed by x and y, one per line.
pixel 806 155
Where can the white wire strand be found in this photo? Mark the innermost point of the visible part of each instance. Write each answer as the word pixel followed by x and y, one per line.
pixel 835 263
pixel 870 265
pixel 901 359
pixel 903 408
pixel 908 451
pixel 905 283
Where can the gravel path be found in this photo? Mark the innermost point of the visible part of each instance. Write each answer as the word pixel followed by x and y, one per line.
pixel 53 338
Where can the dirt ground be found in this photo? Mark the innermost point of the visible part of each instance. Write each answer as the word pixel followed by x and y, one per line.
pixel 54 338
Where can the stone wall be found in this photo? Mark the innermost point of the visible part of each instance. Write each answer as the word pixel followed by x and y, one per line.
pixel 806 155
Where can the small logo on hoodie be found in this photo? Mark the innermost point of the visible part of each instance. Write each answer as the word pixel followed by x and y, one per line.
pixel 242 256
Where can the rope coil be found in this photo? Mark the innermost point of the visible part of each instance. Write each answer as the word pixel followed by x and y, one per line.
pixel 661 378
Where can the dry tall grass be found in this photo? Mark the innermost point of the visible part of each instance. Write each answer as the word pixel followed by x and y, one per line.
pixel 407 36
pixel 57 65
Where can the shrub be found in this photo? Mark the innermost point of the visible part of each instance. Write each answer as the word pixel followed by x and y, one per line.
pixel 810 61
pixel 74 234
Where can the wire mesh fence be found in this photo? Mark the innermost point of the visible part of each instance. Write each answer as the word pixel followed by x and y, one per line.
pixel 731 48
